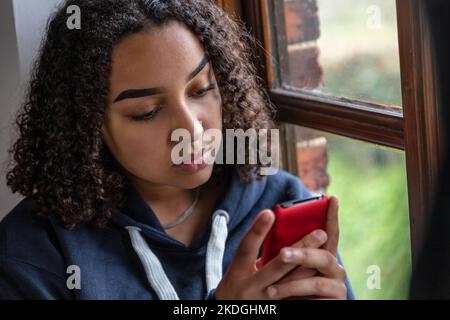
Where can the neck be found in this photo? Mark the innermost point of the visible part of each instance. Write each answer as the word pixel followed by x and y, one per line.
pixel 169 202
pixel 162 193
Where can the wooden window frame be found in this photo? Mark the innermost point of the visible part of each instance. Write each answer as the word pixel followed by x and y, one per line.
pixel 417 131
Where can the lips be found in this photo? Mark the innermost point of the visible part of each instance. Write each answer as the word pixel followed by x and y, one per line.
pixel 199 157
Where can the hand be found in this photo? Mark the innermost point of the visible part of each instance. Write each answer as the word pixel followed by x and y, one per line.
pixel 328 282
pixel 244 279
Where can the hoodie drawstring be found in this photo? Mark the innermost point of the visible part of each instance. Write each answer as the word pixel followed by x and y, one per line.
pixel 214 256
pixel 216 249
pixel 153 268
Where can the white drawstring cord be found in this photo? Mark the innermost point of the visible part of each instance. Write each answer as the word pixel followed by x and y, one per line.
pixel 214 257
pixel 216 249
pixel 153 268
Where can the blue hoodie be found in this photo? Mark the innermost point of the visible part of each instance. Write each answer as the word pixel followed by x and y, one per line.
pixel 132 257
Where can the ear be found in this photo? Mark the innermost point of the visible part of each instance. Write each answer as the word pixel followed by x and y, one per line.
pixel 103 131
pixel 105 134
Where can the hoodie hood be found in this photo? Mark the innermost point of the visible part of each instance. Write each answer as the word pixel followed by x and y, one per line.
pixel 237 199
pixel 141 223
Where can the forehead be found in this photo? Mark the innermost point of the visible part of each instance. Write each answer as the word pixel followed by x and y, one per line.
pixel 157 57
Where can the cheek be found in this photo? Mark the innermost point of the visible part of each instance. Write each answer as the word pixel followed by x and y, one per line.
pixel 140 146
pixel 213 117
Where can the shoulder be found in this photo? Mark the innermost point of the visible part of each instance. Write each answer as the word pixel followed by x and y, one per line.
pixel 29 239
pixel 291 185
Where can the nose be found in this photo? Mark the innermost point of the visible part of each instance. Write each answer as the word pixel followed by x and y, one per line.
pixel 186 118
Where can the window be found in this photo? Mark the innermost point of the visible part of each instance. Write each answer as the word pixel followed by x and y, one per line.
pixel 370 181
pixel 342 93
pixel 346 49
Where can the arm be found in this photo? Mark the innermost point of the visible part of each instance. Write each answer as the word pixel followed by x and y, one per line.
pixel 21 280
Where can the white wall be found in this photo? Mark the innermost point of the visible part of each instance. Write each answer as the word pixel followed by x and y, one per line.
pixel 22 23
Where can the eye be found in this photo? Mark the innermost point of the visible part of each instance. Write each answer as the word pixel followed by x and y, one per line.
pixel 146 116
pixel 202 92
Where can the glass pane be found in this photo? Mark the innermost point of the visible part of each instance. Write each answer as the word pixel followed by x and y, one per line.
pixel 345 48
pixel 370 182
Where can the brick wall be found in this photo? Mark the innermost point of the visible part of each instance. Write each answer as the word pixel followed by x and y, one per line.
pixel 302 31
pixel 302 27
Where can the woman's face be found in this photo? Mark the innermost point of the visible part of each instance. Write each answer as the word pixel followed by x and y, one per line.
pixel 157 85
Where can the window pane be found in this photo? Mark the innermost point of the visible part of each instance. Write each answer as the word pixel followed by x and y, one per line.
pixel 370 182
pixel 345 48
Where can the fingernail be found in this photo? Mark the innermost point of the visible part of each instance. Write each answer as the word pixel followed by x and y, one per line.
pixel 287 255
pixel 336 201
pixel 299 255
pixel 265 217
pixel 272 292
pixel 320 235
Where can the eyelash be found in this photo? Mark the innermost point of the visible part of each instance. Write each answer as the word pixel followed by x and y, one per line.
pixel 150 115
pixel 202 92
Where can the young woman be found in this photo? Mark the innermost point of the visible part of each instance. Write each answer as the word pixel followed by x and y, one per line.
pixel 107 214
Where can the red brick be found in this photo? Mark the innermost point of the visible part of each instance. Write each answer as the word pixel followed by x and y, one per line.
pixel 312 167
pixel 304 68
pixel 301 21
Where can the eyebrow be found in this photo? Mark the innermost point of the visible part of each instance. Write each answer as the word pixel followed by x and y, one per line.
pixel 137 93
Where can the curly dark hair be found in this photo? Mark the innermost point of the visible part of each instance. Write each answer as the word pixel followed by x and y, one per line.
pixel 59 158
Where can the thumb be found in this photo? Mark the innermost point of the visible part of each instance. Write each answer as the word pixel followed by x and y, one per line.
pixel 247 252
pixel 332 226
pixel 258 264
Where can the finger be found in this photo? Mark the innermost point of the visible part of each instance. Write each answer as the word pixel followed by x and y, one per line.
pixel 258 263
pixel 298 273
pixel 277 268
pixel 332 226
pixel 315 239
pixel 247 252
pixel 315 286
pixel 321 260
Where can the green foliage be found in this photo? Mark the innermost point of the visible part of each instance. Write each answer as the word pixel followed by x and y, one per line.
pixel 374 221
pixel 360 60
pixel 363 63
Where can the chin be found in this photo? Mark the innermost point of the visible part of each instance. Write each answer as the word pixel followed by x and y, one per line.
pixel 191 180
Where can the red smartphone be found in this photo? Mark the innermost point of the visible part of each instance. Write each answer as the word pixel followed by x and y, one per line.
pixel 294 220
